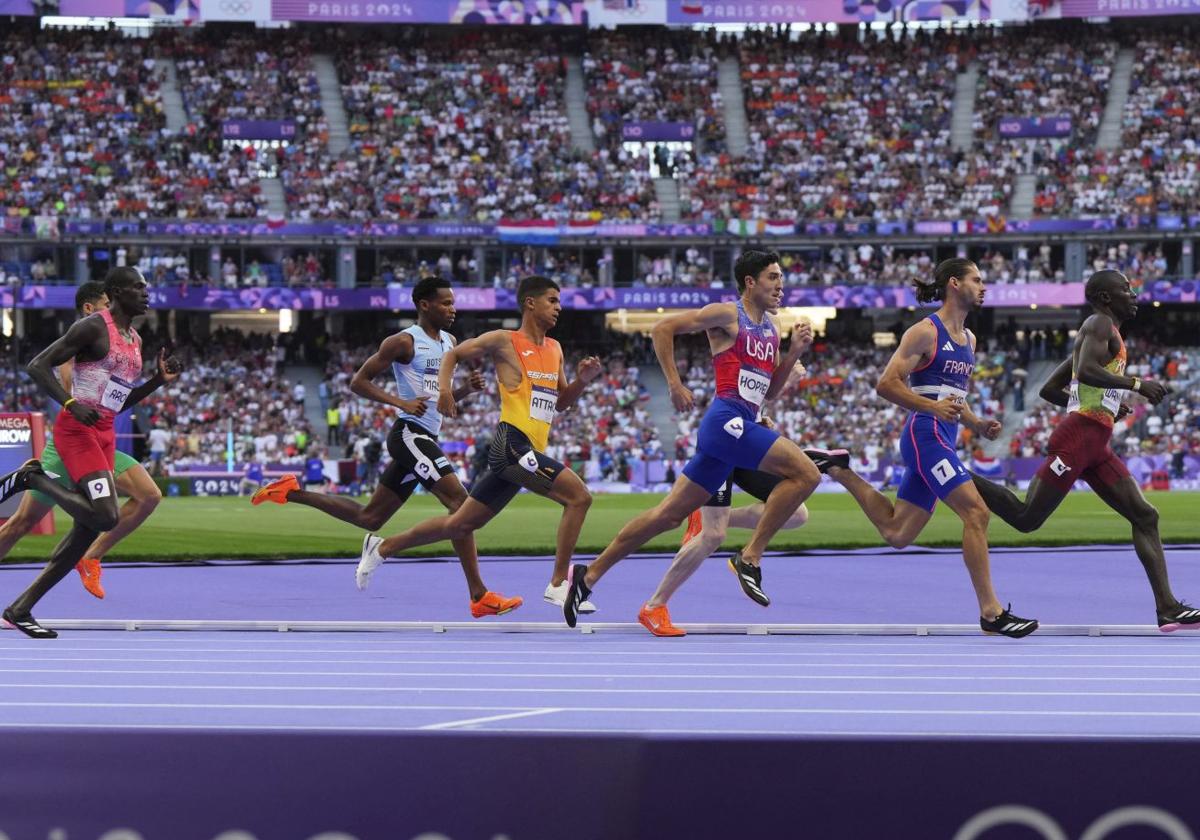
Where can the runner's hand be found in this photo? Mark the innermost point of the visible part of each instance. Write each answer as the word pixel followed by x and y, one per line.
pixel 476 381
pixel 169 367
pixel 682 398
pixel 446 405
pixel 1123 411
pixel 86 415
pixel 948 409
pixel 588 368
pixel 419 405
pixel 1153 391
pixel 802 333
pixel 990 429
pixel 768 422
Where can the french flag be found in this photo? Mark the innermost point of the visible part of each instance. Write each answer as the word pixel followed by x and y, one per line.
pixel 528 231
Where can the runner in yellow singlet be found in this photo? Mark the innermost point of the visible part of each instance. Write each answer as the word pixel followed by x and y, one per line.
pixel 533 389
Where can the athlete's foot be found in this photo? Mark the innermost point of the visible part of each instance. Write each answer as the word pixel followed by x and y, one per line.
pixel 694 527
pixel 28 625
pixel 1180 617
pixel 370 561
pixel 89 569
pixel 557 595
pixel 577 593
pixel 824 459
pixel 18 480
pixel 277 491
pixel 493 603
pixel 658 621
pixel 750 577
pixel 1007 624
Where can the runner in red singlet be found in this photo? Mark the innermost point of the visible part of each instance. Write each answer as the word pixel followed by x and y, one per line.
pixel 108 360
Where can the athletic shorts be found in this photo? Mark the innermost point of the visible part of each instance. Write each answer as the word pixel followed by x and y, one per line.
pixel 932 469
pixel 416 457
pixel 52 463
pixel 513 463
pixel 728 438
pixel 757 483
pixel 85 449
pixel 1079 448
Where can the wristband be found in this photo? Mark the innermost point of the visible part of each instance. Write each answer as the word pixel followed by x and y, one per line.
pixel 1137 384
pixel 70 400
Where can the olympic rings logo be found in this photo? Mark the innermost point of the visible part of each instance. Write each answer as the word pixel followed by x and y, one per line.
pixel 1046 826
pixel 235 7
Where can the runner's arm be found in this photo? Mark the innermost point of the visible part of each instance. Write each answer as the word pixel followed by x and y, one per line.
pixel 475 382
pixel 712 316
pixel 801 341
pixel 916 346
pixel 395 348
pixel 66 374
pixel 470 350
pixel 1055 389
pixel 81 335
pixel 168 368
pixel 589 368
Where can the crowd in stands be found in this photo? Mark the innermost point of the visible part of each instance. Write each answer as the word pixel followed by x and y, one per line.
pixel 472 124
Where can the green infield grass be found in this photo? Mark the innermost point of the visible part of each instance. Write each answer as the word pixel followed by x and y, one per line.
pixel 216 527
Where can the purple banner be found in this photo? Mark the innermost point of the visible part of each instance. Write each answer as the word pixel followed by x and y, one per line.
pixel 486 299
pixel 1055 225
pixel 654 131
pixel 1035 127
pixel 471 12
pixel 1128 8
pixel 258 130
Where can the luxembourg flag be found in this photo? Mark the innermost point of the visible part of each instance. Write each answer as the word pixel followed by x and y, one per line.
pixel 779 227
pixel 528 231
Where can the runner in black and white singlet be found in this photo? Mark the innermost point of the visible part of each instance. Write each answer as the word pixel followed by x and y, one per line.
pixel 414 356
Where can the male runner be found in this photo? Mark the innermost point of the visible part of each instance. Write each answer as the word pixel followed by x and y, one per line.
pixel 744 338
pixel 706 532
pixel 937 358
pixel 414 356
pixel 132 479
pixel 108 358
pixel 533 387
pixel 1089 386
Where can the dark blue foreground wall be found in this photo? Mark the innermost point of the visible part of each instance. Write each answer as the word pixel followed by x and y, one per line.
pixel 473 786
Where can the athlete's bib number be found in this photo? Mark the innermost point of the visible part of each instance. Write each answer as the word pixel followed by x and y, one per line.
pixel 116 392
pixel 430 384
pixel 752 386
pixel 541 403
pixel 1111 401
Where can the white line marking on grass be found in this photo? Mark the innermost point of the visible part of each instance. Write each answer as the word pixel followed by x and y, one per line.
pixel 452 724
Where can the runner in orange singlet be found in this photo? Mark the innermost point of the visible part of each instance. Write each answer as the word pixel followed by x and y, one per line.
pixel 533 388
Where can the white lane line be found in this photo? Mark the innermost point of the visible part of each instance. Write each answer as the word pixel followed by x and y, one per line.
pixel 609 710
pixel 546 690
pixel 579 662
pixel 452 724
pixel 1024 652
pixel 557 675
pixel 723 733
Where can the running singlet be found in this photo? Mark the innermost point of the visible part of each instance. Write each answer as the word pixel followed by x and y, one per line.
pixel 744 370
pixel 420 376
pixel 530 406
pixel 1099 404
pixel 947 375
pixel 105 385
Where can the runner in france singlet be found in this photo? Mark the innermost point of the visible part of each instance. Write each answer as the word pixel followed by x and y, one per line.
pixel 530 406
pixel 1099 404
pixel 744 370
pixel 419 377
pixel 105 385
pixel 948 375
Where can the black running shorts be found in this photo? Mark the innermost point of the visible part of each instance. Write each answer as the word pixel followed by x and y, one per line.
pixel 513 463
pixel 416 456
pixel 757 483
